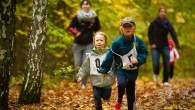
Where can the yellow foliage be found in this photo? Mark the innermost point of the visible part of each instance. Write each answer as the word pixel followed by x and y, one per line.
pixel 193 101
pixel 59 12
pixel 21 32
pixel 179 18
pixel 168 108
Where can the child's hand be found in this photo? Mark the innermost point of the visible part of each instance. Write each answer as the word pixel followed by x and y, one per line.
pixel 153 46
pixel 79 79
pixel 134 60
pixel 78 34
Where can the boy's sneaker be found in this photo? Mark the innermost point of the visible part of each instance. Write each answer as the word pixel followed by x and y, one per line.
pixel 117 106
pixel 165 84
pixel 83 86
pixel 155 78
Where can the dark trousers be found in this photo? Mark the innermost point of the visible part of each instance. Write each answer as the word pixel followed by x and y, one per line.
pixel 99 93
pixel 171 71
pixel 125 84
pixel 165 52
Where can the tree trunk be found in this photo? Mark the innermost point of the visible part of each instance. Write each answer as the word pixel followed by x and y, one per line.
pixel 31 89
pixel 7 30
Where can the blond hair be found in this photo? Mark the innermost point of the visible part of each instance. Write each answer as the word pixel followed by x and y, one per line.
pixel 121 28
pixel 100 33
pixel 128 20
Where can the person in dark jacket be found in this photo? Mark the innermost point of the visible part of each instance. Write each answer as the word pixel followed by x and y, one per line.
pixel 158 39
pixel 128 53
pixel 83 26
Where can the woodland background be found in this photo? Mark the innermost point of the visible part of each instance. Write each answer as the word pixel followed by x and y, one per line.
pixel 58 63
pixel 59 58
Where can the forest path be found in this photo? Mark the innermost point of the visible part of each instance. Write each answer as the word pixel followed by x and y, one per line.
pixel 179 95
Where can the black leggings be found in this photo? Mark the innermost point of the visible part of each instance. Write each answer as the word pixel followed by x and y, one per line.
pixel 171 71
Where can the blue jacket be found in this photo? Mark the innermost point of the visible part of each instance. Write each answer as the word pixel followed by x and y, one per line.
pixel 122 46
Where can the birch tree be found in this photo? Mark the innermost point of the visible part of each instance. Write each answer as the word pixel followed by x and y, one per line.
pixel 7 30
pixel 33 79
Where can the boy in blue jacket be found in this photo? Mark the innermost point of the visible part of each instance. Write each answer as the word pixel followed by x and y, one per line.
pixel 128 53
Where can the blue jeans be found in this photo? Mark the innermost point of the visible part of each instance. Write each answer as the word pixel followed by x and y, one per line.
pixel 79 52
pixel 124 84
pixel 165 52
pixel 99 93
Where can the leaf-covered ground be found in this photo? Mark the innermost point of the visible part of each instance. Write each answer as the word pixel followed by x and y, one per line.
pixel 179 95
